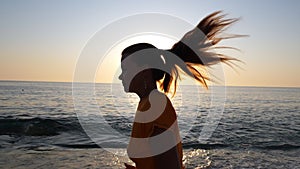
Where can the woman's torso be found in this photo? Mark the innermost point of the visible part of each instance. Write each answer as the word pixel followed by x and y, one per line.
pixel 166 120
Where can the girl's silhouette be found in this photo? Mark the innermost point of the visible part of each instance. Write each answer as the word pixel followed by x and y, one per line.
pixel 195 50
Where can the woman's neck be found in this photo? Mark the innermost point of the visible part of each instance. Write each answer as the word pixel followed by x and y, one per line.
pixel 145 92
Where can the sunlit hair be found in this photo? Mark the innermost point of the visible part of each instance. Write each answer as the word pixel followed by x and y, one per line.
pixel 195 49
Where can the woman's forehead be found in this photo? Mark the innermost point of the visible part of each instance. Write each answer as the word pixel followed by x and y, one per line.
pixel 127 64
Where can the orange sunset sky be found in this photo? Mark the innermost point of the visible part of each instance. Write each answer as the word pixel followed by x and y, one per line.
pixel 41 40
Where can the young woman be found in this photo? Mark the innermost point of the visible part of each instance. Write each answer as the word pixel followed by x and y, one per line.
pixel 155 142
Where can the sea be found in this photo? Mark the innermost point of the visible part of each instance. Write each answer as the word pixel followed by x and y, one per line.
pixel 43 125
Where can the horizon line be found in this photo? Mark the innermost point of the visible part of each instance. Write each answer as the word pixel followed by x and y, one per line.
pixel 45 81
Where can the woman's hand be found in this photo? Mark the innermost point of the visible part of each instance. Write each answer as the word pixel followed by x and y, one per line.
pixel 129 166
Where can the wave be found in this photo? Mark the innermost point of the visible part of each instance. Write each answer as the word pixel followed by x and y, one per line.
pixel 38 126
pixel 73 135
pixel 185 146
pixel 78 146
pixel 281 147
pixel 203 146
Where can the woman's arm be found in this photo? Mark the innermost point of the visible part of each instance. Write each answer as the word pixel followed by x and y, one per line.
pixel 169 159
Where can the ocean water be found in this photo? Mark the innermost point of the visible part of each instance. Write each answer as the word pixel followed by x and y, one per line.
pixel 41 128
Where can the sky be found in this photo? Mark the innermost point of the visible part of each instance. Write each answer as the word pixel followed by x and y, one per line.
pixel 41 40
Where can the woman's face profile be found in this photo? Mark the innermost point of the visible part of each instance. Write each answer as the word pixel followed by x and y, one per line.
pixel 128 75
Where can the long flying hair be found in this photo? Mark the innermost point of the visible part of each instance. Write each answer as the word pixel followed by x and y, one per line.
pixel 195 49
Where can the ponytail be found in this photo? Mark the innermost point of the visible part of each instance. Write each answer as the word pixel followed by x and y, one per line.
pixel 195 50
